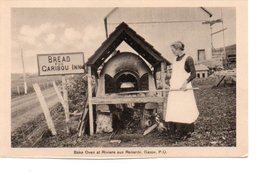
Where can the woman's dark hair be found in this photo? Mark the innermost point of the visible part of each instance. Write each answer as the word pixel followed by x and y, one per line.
pixel 178 45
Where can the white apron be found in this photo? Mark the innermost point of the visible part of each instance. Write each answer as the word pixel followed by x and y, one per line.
pixel 181 105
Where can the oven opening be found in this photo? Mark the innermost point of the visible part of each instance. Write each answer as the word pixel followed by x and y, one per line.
pixel 126 81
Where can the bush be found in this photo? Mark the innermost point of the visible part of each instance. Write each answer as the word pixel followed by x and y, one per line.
pixel 77 92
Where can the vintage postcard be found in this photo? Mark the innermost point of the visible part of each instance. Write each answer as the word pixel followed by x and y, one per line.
pixel 110 79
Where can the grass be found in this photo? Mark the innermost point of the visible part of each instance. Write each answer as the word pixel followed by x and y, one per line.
pixel 215 127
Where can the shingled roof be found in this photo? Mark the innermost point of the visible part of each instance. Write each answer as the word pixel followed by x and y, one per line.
pixel 124 33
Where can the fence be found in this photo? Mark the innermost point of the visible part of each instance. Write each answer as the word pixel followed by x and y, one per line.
pixel 18 89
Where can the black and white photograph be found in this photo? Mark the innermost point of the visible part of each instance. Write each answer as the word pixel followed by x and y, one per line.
pixel 126 81
pixel 123 77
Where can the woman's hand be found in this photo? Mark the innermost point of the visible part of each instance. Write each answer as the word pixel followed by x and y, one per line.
pixel 184 86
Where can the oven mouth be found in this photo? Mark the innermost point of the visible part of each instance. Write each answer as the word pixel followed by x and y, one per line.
pixel 126 81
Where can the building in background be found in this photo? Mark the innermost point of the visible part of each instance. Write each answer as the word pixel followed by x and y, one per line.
pixel 163 26
pixel 230 56
pixel 202 71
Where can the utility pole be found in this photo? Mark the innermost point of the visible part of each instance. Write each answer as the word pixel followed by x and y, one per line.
pixel 24 76
pixel 105 20
pixel 224 45
pixel 211 23
pixel 211 39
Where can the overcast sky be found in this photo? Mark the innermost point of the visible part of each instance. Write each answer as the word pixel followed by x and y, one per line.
pixel 56 30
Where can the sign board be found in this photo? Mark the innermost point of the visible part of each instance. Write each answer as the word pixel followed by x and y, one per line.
pixel 61 63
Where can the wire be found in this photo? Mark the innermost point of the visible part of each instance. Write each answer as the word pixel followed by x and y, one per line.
pixel 158 22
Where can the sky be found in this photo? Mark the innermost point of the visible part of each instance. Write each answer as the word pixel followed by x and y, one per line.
pixel 57 30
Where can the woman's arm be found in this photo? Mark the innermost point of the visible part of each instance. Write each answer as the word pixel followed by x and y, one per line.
pixel 190 68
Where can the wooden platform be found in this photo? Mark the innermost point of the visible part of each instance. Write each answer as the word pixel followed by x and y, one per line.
pixel 125 100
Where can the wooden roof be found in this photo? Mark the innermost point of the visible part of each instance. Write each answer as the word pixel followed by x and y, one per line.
pixel 201 67
pixel 124 33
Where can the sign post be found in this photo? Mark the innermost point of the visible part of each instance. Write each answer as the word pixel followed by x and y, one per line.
pixel 61 64
pixel 66 104
pixel 45 109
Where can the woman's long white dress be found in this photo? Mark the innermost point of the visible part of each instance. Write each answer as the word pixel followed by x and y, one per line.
pixel 181 105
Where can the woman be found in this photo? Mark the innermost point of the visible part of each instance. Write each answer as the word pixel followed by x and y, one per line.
pixel 182 110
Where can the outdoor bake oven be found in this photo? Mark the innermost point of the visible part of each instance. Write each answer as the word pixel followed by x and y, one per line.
pixel 126 83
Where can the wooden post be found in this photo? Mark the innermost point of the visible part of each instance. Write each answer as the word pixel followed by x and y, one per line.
pixel 224 45
pixel 163 77
pixel 66 105
pixel 91 122
pixel 59 94
pixel 25 88
pixel 45 109
pixel 18 90
pixel 220 81
pixel 163 87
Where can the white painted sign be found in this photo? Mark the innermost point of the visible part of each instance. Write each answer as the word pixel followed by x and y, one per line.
pixel 61 64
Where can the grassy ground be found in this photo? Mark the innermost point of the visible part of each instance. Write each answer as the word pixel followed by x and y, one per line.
pixel 215 127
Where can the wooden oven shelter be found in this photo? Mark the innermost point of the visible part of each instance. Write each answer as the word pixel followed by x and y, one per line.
pixel 113 66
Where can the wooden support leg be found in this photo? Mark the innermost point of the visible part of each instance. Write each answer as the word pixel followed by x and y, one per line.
pixel 66 104
pixel 163 69
pixel 91 122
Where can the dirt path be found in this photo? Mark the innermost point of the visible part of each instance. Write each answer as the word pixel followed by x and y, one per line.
pixel 27 107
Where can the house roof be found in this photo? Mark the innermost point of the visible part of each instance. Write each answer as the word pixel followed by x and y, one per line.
pixel 201 67
pixel 124 33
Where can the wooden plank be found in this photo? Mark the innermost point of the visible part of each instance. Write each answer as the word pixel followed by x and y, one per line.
pixel 45 109
pixel 163 87
pixel 83 119
pixel 82 124
pixel 225 73
pixel 58 94
pixel 147 91
pixel 220 81
pixel 66 104
pixel 91 121
pixel 84 116
pixel 222 30
pixel 126 100
pixel 150 129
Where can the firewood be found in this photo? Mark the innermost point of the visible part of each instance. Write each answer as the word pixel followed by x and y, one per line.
pixel 150 129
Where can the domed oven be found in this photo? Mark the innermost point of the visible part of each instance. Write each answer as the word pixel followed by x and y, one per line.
pixel 125 72
pixel 122 79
